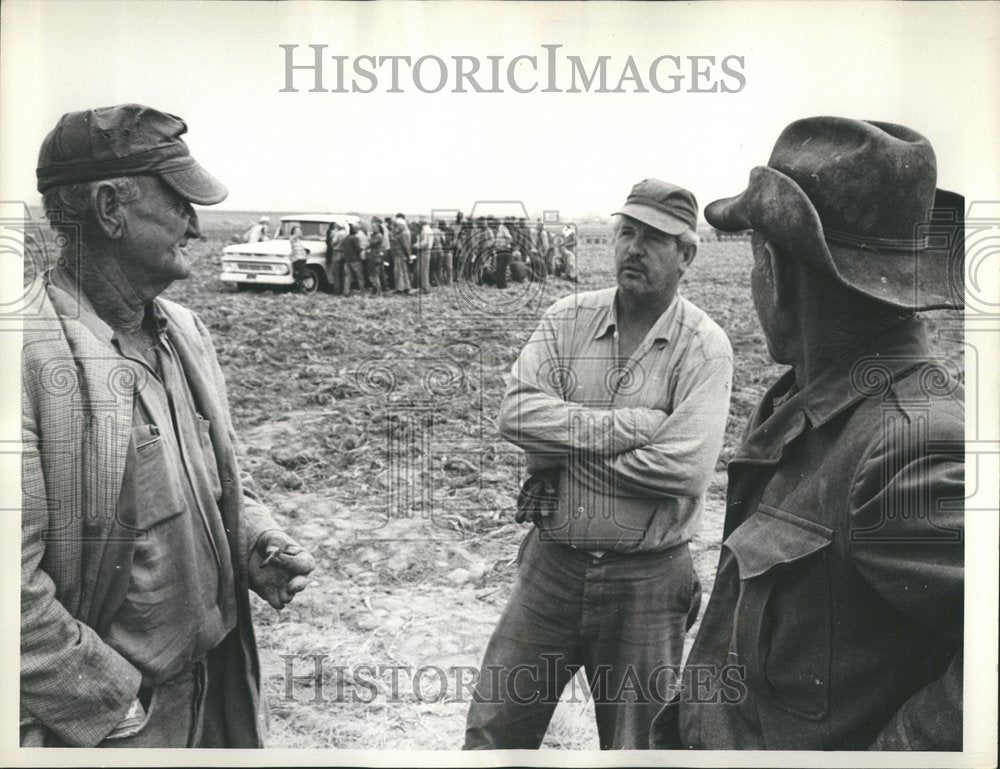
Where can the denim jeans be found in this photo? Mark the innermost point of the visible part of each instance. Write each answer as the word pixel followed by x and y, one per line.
pixel 622 617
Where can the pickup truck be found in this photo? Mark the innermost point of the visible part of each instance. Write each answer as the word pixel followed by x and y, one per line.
pixel 269 262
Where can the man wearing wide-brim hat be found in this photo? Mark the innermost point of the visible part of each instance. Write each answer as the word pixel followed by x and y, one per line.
pixel 140 535
pixel 836 616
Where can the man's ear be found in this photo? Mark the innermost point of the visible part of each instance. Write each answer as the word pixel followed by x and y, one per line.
pixel 108 210
pixel 688 253
pixel 783 274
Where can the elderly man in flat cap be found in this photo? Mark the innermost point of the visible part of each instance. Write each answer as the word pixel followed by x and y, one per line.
pixel 835 621
pixel 140 538
pixel 619 400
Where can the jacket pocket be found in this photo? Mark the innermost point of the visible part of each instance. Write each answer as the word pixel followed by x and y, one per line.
pixel 157 495
pixel 783 624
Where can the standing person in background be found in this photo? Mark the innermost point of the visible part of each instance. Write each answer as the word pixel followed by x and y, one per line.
pixel 463 249
pixel 522 240
pixel 541 249
pixel 298 254
pixel 362 233
pixel 445 261
pixel 456 245
pixel 424 240
pixel 411 235
pixel 374 255
pixel 399 250
pixel 351 248
pixel 503 243
pixel 258 232
pixel 336 251
pixel 482 257
pixel 435 245
pixel 567 253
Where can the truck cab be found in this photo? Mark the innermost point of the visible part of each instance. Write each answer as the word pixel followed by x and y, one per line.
pixel 269 262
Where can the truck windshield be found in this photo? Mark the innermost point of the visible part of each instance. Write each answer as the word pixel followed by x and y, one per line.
pixel 310 230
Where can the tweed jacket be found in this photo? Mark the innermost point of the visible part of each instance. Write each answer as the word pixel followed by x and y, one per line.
pixel 77 399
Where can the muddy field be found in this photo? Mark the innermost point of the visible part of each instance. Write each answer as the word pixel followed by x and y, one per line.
pixel 369 426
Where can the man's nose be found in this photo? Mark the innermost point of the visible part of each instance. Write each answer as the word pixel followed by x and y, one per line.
pixel 637 245
pixel 193 229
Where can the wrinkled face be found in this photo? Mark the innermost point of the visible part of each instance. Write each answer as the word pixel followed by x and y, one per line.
pixel 159 223
pixel 649 262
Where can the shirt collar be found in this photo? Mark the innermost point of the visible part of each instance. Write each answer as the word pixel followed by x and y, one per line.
pixel 662 329
pixel 865 371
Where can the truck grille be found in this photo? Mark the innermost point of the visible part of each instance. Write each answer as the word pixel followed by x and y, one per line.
pixel 255 267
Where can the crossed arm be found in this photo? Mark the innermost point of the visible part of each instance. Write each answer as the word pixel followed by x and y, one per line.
pixel 633 450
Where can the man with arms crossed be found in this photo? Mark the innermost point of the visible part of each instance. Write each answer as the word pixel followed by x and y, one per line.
pixel 836 616
pixel 620 400
pixel 140 539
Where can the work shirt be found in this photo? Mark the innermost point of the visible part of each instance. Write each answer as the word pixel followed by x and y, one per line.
pixel 836 618
pixel 179 601
pixel 634 444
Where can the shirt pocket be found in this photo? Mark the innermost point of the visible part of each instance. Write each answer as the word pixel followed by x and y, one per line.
pixel 208 455
pixel 783 623
pixel 157 496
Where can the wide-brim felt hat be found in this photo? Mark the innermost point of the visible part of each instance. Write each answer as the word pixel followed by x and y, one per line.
pixel 858 201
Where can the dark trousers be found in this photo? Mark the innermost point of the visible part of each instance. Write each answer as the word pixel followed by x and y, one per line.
pixel 503 256
pixel 353 273
pixel 621 617
pixel 185 712
pixel 336 265
pixel 375 273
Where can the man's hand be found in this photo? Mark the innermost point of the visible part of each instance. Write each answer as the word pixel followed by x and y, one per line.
pixel 279 568
pixel 538 498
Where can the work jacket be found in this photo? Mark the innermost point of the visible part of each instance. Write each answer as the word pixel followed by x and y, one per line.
pixel 77 404
pixel 835 621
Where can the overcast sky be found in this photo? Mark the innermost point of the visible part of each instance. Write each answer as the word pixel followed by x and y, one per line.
pixel 221 68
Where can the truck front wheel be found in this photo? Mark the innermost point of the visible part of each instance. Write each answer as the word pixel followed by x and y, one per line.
pixel 310 280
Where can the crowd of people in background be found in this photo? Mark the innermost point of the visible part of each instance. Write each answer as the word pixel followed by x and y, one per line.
pixel 391 254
